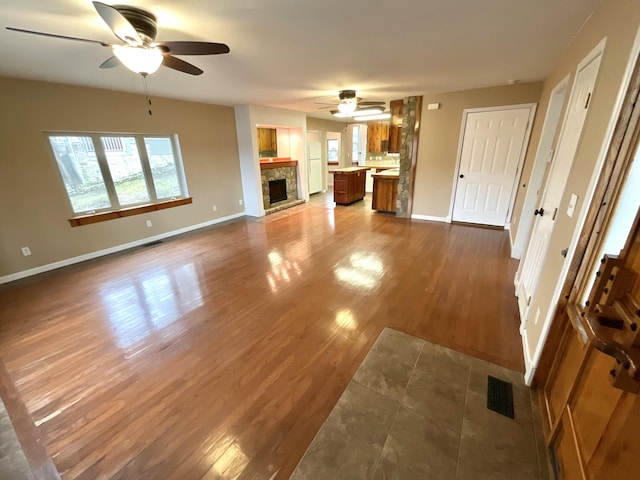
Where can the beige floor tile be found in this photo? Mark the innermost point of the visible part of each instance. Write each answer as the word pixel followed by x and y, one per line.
pixel 438 386
pixel 364 415
pixel 383 375
pixel 419 444
pixel 332 455
pixel 398 347
pixel 486 460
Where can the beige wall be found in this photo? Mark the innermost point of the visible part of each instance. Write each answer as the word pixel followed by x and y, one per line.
pixel 33 205
pixel 323 125
pixel 440 135
pixel 618 20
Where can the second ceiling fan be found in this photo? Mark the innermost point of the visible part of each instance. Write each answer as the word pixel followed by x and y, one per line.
pixel 350 104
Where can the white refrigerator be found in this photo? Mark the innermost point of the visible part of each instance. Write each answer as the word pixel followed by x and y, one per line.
pixel 314 162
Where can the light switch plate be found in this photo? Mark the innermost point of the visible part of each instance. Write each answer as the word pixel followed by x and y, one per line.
pixel 433 106
pixel 572 205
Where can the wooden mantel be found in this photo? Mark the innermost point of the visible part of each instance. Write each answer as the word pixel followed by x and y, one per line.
pixel 266 163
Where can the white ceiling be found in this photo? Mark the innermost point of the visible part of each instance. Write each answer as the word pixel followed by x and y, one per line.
pixel 291 53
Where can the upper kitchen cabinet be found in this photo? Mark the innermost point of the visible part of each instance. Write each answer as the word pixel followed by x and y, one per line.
pixel 267 142
pixel 377 137
pixel 395 128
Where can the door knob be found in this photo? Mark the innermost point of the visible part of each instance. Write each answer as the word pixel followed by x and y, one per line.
pixel 461 176
pixel 540 211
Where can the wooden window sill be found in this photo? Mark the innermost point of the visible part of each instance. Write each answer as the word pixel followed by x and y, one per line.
pixel 127 212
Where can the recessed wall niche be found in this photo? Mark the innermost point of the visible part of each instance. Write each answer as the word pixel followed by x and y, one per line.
pixel 267 142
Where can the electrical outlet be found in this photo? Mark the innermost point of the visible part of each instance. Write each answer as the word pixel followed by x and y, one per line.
pixel 26 251
pixel 240 201
pixel 149 224
pixel 215 209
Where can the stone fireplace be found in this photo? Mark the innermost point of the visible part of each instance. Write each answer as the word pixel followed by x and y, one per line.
pixel 279 181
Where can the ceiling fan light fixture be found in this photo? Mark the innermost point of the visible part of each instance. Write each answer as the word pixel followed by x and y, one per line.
pixel 142 60
pixel 347 105
pixel 373 110
pixel 366 118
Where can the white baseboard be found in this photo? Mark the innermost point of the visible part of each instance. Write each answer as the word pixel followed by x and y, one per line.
pixel 430 218
pixel 88 256
pixel 529 370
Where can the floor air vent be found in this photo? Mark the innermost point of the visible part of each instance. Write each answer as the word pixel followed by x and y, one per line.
pixel 500 396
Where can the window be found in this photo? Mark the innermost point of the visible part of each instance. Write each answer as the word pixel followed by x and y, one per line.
pixel 332 149
pixel 107 172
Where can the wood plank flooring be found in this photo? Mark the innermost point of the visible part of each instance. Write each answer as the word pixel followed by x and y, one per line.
pixel 219 354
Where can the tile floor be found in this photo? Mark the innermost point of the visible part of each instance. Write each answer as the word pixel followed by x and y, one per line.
pixel 415 410
pixel 13 463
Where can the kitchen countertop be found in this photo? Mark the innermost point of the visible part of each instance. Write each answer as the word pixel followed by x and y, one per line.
pixel 380 168
pixel 350 170
pixel 390 173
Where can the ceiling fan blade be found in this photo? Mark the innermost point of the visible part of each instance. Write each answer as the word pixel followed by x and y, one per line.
pixel 52 35
pixel 181 65
pixel 195 48
pixel 111 62
pixel 371 104
pixel 118 24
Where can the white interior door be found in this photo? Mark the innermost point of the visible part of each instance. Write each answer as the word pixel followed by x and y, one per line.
pixel 492 148
pixel 531 265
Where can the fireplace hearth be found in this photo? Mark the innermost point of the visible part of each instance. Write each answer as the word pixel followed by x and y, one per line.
pixel 277 190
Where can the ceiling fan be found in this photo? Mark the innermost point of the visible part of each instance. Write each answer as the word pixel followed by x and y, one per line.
pixel 140 52
pixel 350 104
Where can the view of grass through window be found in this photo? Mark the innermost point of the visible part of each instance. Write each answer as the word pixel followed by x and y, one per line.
pixel 110 172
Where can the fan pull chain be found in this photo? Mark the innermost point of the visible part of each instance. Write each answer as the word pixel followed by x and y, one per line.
pixel 146 92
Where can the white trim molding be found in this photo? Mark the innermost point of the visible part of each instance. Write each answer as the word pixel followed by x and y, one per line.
pixel 118 248
pixel 430 218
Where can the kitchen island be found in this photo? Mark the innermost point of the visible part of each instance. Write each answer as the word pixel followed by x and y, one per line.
pixel 385 190
pixel 348 184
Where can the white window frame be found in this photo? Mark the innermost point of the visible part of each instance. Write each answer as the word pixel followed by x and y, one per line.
pixel 101 158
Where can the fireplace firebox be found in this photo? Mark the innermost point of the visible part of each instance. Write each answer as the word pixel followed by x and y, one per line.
pixel 277 190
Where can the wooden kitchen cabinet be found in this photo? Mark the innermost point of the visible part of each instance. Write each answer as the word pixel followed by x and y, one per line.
pixel 348 184
pixel 395 127
pixel 385 190
pixel 377 137
pixel 267 142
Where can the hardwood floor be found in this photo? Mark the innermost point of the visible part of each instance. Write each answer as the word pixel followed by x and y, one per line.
pixel 219 354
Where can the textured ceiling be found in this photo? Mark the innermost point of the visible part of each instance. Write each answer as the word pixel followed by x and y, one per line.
pixel 292 53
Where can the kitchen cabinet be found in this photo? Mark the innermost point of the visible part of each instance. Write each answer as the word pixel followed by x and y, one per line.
pixel 377 137
pixel 395 127
pixel 267 142
pixel 385 190
pixel 348 184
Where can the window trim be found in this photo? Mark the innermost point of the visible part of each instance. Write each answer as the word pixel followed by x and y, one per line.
pixel 80 220
pixel 116 210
